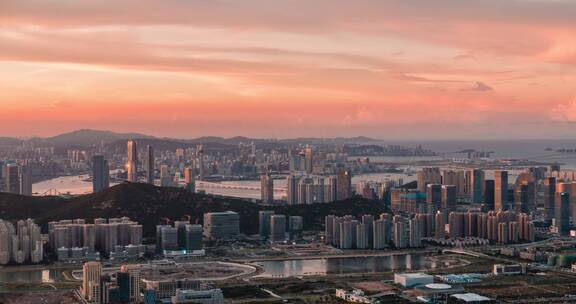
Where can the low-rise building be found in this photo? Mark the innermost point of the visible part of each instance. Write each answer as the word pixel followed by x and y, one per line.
pixel 501 269
pixel 354 296
pixel 409 280
pixel 210 296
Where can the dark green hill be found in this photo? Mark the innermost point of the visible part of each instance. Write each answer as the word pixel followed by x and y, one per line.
pixel 150 205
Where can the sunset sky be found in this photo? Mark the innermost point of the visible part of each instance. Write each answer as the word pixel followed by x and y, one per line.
pixel 403 69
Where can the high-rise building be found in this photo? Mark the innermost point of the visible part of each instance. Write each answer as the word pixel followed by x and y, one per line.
pixel 500 190
pixel 20 244
pixel 448 203
pixel 329 222
pixel 381 232
pixel 295 227
pixel 12 179
pixel 149 163
pixel 489 192
pixel 91 284
pixel 193 237
pixel 368 226
pixel 503 233
pixel 25 180
pixel 348 233
pixel 456 224
pixel 100 173
pixel 165 177
pixel 476 185
pixel 456 178
pixel 189 179
pixel 428 176
pixel 344 180
pixel 549 196
pixel 221 225
pixel 133 272
pixel 562 216
pixel 399 232
pixel 415 227
pixel 277 228
pixel 132 163
pixel 200 162
pixel 166 238
pixel 440 226
pixel 525 193
pixel 266 188
pixel 309 159
pixel 264 223
pixel 433 197
pixel 292 189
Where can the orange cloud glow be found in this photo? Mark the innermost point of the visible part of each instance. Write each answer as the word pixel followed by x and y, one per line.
pixel 381 68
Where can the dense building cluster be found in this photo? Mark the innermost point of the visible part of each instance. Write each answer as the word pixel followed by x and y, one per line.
pixel 401 232
pixel 20 243
pixel 129 286
pixel 74 240
pixel 310 189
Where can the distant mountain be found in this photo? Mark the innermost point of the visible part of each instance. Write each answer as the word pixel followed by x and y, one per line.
pixel 150 205
pixel 8 141
pixel 83 138
pixel 86 138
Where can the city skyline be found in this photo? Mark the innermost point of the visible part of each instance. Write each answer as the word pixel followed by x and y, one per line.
pixel 384 69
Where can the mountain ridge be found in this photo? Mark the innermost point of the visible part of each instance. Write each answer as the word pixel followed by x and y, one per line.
pixel 90 137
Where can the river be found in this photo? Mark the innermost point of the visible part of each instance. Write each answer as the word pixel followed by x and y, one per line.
pixel 344 265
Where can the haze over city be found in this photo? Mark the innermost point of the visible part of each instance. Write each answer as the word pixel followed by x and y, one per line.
pixel 386 69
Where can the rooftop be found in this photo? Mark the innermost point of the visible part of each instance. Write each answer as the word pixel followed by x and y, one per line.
pixel 470 297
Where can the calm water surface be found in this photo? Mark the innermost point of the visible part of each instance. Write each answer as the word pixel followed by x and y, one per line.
pixel 345 265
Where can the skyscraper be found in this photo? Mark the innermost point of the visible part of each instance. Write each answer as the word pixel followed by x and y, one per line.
pixel 100 173
pixel 381 232
pixel 525 193
pixel 309 159
pixel 440 226
pixel 433 198
pixel 562 216
pixel 25 180
pixel 549 195
pixel 134 282
pixel 449 193
pixel 292 189
pixel 500 190
pixel 132 163
pixel 190 179
pixel 91 287
pixel 165 177
pixel 12 179
pixel 428 176
pixel 264 223
pixel 277 228
pixel 295 227
pixel 476 185
pixel 149 164
pixel 266 188
pixel 489 190
pixel 344 180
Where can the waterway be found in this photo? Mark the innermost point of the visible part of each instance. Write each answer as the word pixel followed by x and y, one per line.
pixel 345 265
